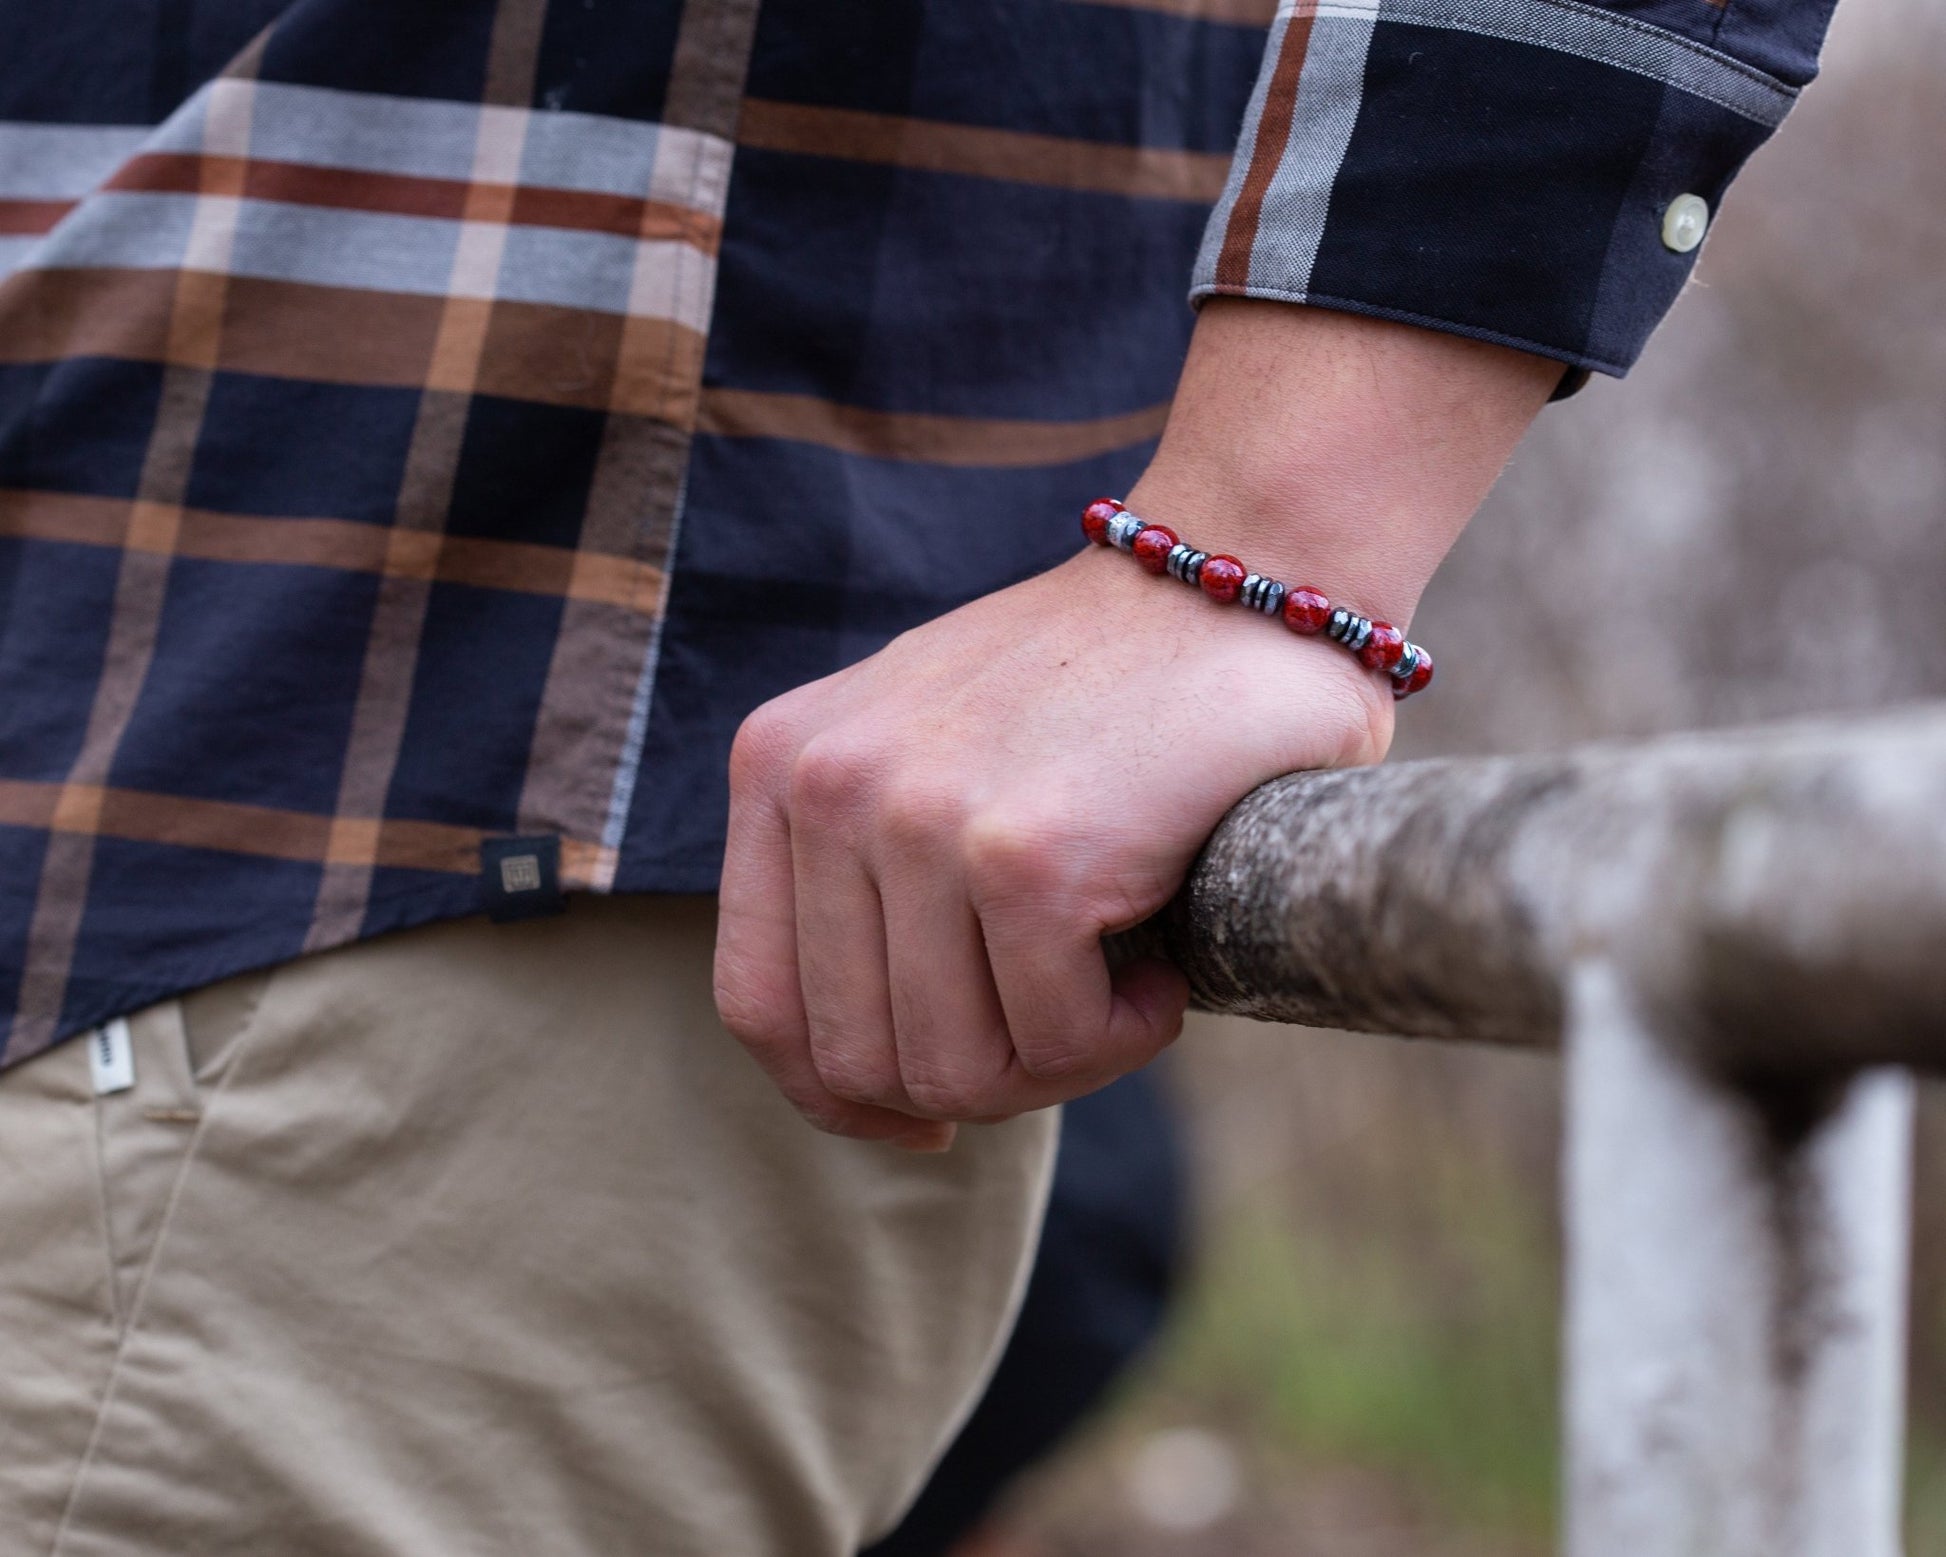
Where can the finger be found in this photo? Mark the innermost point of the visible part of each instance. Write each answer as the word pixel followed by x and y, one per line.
pixel 1074 1025
pixel 841 963
pixel 955 1058
pixel 758 992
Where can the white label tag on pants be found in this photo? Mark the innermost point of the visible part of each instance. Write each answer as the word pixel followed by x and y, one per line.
pixel 111 1056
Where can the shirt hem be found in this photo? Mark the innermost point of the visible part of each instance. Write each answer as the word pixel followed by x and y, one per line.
pixel 1351 305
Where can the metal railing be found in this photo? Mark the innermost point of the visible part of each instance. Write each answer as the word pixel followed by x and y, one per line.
pixel 1739 941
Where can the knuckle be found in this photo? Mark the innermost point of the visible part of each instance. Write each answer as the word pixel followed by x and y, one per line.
pixel 826 780
pixel 912 813
pixel 760 749
pixel 1011 855
pixel 1054 1057
pixel 830 1118
pixel 941 1100
pixel 753 1022
pixel 762 1032
pixel 749 1008
pixel 854 1078
pixel 949 1094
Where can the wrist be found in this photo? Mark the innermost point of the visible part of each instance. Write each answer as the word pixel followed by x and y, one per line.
pixel 1304 533
pixel 1228 581
pixel 1333 450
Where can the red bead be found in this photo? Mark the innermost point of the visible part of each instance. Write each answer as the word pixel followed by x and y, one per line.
pixel 1419 679
pixel 1384 648
pixel 1222 578
pixel 1095 517
pixel 1306 611
pixel 1152 547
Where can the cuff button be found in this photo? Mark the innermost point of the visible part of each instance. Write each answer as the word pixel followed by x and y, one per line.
pixel 1684 223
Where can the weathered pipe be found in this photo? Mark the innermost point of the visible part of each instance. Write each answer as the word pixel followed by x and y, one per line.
pixel 1776 897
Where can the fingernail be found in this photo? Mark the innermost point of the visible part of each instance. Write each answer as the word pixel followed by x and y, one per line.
pixel 931 1139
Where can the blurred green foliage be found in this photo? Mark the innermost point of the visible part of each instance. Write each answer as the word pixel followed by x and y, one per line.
pixel 1436 1367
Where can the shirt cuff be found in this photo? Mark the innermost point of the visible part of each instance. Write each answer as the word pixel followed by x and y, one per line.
pixel 1501 169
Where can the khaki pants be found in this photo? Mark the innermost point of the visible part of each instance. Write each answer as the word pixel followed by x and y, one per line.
pixel 480 1239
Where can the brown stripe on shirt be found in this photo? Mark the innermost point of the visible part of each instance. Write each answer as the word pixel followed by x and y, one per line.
pixel 1058 162
pixel 391 656
pixel 343 335
pixel 513 53
pixel 1273 136
pixel 143 816
pixel 709 66
pixel 402 194
pixel 31 218
pixel 930 439
pixel 342 545
pixel 600 647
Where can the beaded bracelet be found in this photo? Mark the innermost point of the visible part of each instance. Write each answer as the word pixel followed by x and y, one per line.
pixel 1378 645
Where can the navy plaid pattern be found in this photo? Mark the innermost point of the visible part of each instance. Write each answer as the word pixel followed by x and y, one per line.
pixel 428 424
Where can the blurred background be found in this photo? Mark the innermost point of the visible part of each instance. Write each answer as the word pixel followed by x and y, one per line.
pixel 1753 526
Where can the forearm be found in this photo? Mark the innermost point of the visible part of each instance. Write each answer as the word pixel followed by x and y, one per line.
pixel 1335 450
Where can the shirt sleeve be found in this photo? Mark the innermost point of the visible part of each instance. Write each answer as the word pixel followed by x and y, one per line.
pixel 1533 172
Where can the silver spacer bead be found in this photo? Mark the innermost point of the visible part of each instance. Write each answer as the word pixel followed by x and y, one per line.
pixel 1272 603
pixel 1123 529
pixel 1186 562
pixel 1358 634
pixel 1339 625
pixel 1408 663
pixel 1261 594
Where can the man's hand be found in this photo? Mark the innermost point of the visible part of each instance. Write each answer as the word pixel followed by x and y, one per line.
pixel 926 849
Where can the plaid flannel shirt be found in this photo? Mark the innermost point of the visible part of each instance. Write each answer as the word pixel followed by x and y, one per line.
pixel 426 424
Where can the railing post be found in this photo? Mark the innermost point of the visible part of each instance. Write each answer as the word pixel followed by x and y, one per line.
pixel 1736 1300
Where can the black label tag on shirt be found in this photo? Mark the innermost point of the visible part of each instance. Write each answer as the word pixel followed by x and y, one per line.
pixel 520 878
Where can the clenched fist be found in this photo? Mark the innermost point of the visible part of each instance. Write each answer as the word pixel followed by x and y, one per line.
pixel 926 849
